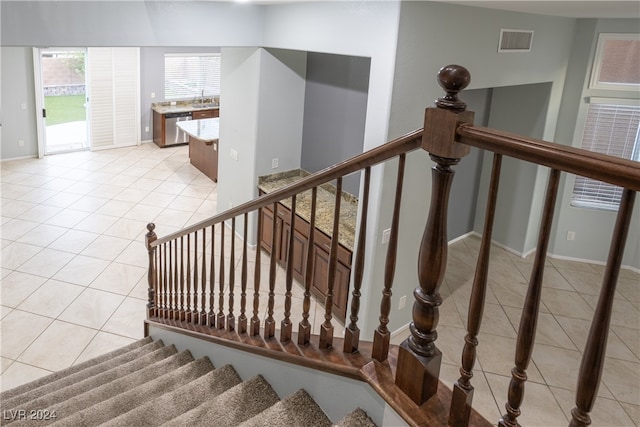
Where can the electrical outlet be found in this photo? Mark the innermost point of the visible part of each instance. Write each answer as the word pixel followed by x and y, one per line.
pixel 385 236
pixel 146 128
pixel 173 103
pixel 153 94
pixel 234 154
pixel 571 235
pixel 23 105
pixel 20 143
pixel 402 302
pixel 274 164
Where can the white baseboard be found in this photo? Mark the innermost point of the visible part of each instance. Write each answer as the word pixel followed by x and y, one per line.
pixel 19 158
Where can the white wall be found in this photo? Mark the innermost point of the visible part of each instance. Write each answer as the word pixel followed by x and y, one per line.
pixel 261 116
pixel 18 89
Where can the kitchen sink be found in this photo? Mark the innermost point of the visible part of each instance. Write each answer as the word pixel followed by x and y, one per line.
pixel 209 105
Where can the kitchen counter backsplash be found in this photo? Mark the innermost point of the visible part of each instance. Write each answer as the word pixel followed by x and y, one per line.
pixel 166 107
pixel 324 204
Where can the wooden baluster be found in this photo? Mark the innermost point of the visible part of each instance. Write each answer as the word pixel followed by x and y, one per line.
pixel 255 319
pixel 463 390
pixel 231 318
pixel 382 336
pixel 242 320
pixel 326 329
pixel 165 291
pixel 195 318
pixel 270 323
pixel 596 346
pixel 151 237
pixel 203 294
pixel 175 314
pixel 171 302
pixel 182 314
pixel 211 322
pixel 304 329
pixel 419 359
pixel 220 323
pixel 352 333
pixel 286 325
pixel 187 314
pixel 529 318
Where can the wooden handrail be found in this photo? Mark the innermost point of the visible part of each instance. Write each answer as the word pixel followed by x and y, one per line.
pixel 404 144
pixel 601 167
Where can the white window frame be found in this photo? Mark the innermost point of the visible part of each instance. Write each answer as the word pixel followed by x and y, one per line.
pixel 594 82
pixel 204 86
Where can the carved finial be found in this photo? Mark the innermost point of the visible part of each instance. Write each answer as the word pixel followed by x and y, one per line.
pixel 453 78
pixel 150 227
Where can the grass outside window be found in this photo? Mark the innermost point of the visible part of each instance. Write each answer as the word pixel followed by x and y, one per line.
pixel 65 109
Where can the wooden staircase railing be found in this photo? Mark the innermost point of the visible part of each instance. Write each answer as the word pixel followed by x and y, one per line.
pixel 184 267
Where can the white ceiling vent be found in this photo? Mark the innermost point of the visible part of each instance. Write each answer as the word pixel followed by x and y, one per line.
pixel 515 40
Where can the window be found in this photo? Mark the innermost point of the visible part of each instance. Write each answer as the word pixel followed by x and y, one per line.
pixel 616 65
pixel 612 127
pixel 188 76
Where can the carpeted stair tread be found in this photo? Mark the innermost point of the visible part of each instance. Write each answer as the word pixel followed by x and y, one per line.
pixel 180 400
pixel 71 375
pixel 297 409
pixel 356 418
pixel 82 401
pixel 56 376
pixel 123 402
pixel 232 407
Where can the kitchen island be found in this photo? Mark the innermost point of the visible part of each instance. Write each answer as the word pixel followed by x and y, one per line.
pixel 203 144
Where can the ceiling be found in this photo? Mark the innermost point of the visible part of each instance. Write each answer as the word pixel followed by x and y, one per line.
pixel 570 8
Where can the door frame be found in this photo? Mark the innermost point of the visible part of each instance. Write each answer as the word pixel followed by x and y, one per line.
pixel 41 128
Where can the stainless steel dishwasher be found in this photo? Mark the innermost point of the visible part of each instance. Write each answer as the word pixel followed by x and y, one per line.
pixel 172 134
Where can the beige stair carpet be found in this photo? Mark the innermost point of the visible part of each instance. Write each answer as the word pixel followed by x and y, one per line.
pixel 148 384
pixel 174 403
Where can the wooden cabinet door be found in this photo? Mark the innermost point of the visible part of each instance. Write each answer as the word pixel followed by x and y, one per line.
pixel 158 129
pixel 204 114
pixel 300 245
pixel 320 281
pixel 266 234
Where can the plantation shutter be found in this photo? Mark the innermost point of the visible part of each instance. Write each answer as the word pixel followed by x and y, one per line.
pixel 611 129
pixel 113 78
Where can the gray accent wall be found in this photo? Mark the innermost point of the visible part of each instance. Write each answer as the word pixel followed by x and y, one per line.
pixel 335 108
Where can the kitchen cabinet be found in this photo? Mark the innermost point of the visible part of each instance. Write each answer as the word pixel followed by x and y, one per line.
pixel 204 156
pixel 320 255
pixel 159 123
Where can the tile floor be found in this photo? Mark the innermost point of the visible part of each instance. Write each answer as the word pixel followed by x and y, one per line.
pixel 74 284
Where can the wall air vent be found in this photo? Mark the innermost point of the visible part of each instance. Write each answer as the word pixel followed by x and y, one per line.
pixel 515 40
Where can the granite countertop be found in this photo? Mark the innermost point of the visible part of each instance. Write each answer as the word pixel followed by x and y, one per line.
pixel 325 203
pixel 184 106
pixel 206 130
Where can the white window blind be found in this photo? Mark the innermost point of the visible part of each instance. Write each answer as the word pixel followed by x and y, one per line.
pixel 191 75
pixel 611 129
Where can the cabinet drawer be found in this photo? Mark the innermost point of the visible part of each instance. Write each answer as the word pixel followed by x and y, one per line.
pixel 204 114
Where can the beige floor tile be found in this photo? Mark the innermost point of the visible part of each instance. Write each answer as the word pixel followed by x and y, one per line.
pixel 58 346
pixel 623 313
pixel 5 363
pixel 102 342
pixel 16 228
pixel 16 254
pixel 4 310
pixel 17 286
pixel 73 241
pixel 566 303
pixel 16 208
pixel 88 203
pixel 46 263
pixel 40 213
pixel 572 265
pixel 19 329
pixel 51 299
pixel 81 270
pixel 605 412
pixel 539 407
pixel 128 319
pixel 92 308
pixel 497 355
pixel 585 282
pixel 96 223
pixel 548 330
pixel 630 336
pixel 622 378
pixel 134 254
pixel 106 247
pixel 20 373
pixel 68 218
pixel 119 278
pixel 115 208
pixel 633 411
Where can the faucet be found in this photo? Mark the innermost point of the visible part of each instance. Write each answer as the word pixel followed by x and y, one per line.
pixel 202 97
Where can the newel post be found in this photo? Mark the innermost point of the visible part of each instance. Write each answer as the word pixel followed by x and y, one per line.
pixel 150 237
pixel 419 359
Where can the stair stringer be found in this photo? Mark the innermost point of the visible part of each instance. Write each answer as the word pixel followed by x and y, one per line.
pixel 336 395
